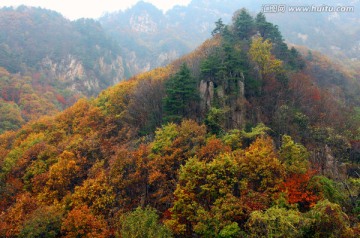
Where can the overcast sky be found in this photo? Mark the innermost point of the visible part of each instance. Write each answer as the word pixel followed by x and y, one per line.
pixel 74 9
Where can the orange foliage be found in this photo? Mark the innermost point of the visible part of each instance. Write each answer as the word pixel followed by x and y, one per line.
pixel 296 188
pixel 80 222
pixel 11 220
pixel 173 145
pixel 62 176
pixel 160 73
pixel 213 148
pixel 129 175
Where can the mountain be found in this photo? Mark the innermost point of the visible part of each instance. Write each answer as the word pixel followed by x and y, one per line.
pixel 154 38
pixel 77 54
pixel 244 136
pixel 48 62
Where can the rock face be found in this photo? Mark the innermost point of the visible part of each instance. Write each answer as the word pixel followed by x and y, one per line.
pixel 143 23
pixel 235 108
pixel 71 72
pixel 206 89
pixel 73 55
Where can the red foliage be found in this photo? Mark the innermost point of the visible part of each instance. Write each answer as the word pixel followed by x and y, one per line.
pixel 254 201
pixel 316 94
pixel 60 99
pixel 296 188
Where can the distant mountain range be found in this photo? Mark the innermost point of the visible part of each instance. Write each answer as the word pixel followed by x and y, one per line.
pixel 144 29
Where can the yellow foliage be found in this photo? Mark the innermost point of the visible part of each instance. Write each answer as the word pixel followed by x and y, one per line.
pixel 261 166
pixel 260 54
pixel 61 176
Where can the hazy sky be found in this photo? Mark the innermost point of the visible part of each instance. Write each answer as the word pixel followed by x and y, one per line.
pixel 74 9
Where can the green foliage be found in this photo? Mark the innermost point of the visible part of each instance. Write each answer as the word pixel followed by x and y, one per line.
pixel 328 136
pixel 43 222
pixel 243 24
pixel 219 27
pixel 215 120
pixel 328 220
pixel 164 137
pixel 276 222
pixel 294 156
pixel 207 198
pixel 258 130
pixel 233 139
pixel 181 93
pixel 10 116
pixel 230 231
pixel 251 134
pixel 15 155
pixel 143 223
pixel 329 189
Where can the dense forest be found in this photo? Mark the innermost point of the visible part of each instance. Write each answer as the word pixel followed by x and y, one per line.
pixel 243 137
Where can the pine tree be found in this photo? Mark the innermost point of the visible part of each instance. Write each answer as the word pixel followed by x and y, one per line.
pixel 243 24
pixel 181 91
pixel 219 27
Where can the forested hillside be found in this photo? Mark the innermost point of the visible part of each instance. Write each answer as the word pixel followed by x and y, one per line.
pixel 47 62
pixel 243 137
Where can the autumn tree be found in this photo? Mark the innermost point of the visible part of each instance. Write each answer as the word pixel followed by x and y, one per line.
pixel 260 54
pixel 80 222
pixel 172 147
pixel 62 176
pixel 142 223
pixel 208 198
pixel 328 220
pixel 43 222
pixel 145 107
pixel 298 190
pixel 12 219
pixel 96 193
pixel 129 177
pixel 276 222
pixel 261 166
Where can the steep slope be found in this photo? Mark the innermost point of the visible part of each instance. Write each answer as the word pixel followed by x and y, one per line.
pixel 242 137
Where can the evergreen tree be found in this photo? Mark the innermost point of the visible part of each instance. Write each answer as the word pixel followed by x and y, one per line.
pixel 267 30
pixel 219 27
pixel 243 24
pixel 181 91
